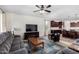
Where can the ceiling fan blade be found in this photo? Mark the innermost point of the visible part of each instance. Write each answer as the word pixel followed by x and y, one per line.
pixel 37 6
pixel 48 6
pixel 48 11
pixel 36 11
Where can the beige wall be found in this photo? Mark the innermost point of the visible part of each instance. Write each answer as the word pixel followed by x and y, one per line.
pixel 18 21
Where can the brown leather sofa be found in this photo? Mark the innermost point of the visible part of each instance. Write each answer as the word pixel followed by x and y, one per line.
pixel 70 34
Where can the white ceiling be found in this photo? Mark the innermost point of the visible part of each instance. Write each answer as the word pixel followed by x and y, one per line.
pixel 58 11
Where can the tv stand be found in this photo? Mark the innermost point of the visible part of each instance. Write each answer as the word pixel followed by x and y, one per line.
pixel 30 34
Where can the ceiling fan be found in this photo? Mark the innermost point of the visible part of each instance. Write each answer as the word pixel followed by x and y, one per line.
pixel 43 8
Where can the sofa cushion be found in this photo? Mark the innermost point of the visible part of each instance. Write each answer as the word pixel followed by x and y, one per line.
pixel 17 43
pixel 3 37
pixel 6 44
pixel 20 51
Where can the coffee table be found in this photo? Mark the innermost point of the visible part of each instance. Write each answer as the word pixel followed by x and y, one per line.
pixel 36 43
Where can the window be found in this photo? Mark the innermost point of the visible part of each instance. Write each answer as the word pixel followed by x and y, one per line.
pixel 1 30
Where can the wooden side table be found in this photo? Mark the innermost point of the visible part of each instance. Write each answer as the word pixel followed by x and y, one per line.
pixel 49 36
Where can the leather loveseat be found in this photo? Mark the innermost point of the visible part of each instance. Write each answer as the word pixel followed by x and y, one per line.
pixel 10 44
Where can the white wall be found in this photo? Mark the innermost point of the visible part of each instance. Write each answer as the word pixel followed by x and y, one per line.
pixel 19 22
pixel 9 18
pixel 47 27
pixel 66 25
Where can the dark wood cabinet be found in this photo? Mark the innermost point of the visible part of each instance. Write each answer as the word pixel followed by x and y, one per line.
pixel 56 31
pixel 73 24
pixel 70 34
pixel 30 34
pixel 56 24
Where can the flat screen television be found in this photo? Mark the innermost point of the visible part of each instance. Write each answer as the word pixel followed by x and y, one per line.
pixel 31 27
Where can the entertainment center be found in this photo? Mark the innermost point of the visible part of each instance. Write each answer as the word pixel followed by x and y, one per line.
pixel 31 31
